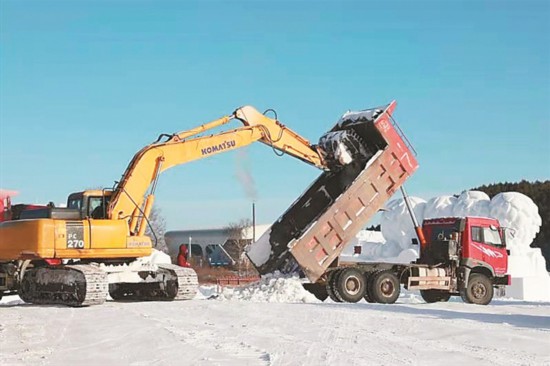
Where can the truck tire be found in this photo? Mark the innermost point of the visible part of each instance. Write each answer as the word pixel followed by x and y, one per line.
pixel 350 285
pixel 332 276
pixel 479 290
pixel 368 290
pixel 431 296
pixel 385 287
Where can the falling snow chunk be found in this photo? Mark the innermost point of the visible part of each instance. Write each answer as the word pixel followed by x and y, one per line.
pixel 342 154
pixel 260 251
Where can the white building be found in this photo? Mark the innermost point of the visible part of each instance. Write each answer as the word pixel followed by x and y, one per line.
pixel 207 245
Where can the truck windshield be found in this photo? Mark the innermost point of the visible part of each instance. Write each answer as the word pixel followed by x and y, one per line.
pixel 491 236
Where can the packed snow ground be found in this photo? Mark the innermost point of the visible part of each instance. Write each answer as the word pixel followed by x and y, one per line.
pixel 214 332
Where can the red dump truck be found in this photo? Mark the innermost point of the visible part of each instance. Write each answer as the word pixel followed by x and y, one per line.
pixel 311 234
pixel 464 256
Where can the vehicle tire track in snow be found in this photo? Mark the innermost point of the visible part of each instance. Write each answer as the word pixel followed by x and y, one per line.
pixel 459 339
pixel 32 336
pixel 206 340
pixel 381 345
pixel 213 348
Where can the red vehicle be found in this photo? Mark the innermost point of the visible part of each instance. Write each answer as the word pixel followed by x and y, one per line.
pixel 13 212
pixel 459 256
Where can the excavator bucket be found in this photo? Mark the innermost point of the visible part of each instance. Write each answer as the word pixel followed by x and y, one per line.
pixel 368 160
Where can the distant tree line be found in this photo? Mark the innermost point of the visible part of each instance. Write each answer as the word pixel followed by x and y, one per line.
pixel 539 192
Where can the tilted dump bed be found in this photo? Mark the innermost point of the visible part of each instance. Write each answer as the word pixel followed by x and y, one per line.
pixel 312 233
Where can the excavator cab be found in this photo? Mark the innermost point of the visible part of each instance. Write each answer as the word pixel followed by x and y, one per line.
pixel 91 203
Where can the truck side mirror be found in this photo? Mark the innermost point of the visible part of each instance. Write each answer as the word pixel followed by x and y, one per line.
pixel 414 241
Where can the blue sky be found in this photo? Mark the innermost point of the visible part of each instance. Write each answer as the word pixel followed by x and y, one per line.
pixel 85 84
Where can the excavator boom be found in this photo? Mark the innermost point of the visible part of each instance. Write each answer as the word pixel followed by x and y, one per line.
pixel 130 195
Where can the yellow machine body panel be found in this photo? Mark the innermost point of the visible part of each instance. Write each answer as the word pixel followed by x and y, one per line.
pixel 66 239
pixel 27 239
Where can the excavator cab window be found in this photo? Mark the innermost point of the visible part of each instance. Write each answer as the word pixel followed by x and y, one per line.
pixel 97 206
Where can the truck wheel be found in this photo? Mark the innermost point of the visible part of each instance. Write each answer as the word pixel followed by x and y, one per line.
pixel 385 287
pixel 431 296
pixel 368 281
pixel 479 290
pixel 332 277
pixel 318 290
pixel 350 285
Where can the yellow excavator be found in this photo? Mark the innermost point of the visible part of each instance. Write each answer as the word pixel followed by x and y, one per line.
pixel 74 255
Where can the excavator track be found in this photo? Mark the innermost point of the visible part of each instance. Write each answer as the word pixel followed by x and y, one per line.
pixel 168 282
pixel 188 282
pixel 70 285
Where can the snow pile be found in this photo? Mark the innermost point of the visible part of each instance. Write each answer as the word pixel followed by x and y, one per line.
pixel 129 272
pixel 271 288
pixel 205 292
pixel 156 257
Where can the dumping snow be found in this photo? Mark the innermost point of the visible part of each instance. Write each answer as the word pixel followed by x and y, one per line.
pixel 260 250
pixel 368 115
pixel 342 154
pixel 271 288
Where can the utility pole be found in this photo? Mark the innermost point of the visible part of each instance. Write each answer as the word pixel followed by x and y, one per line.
pixel 253 221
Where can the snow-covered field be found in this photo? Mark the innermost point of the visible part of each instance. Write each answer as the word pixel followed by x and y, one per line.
pixel 236 332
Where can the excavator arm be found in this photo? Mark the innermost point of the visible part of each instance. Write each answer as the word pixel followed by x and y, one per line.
pixel 130 199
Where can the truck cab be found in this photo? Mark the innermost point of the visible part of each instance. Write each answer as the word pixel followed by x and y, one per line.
pixel 476 242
